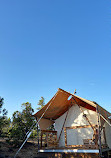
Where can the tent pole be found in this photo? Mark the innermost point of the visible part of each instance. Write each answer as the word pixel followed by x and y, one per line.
pixel 64 123
pixel 105 120
pixel 38 135
pixel 99 131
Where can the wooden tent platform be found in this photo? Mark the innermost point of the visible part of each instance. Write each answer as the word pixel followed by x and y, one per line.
pixel 68 153
pixel 73 153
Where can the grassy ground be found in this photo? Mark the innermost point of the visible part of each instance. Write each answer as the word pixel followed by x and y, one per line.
pixel 29 150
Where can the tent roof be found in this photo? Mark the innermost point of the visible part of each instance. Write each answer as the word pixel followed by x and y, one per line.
pixel 59 104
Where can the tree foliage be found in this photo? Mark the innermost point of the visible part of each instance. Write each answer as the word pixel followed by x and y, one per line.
pixel 41 103
pixel 27 113
pixel 3 112
pixel 21 123
pixel 4 121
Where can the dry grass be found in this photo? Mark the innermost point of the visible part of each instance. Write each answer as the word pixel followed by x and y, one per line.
pixel 29 150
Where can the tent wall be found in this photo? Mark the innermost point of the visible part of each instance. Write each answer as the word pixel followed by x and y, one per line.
pixel 76 136
pixel 108 134
pixel 75 118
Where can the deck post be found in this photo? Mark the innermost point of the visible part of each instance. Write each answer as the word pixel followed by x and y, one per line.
pixel 41 138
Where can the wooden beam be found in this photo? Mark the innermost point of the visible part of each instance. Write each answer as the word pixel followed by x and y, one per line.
pixel 64 123
pixel 77 127
pixel 48 131
pixel 41 138
pixel 104 135
pixel 83 146
pixel 65 133
pixel 49 142
pixel 83 126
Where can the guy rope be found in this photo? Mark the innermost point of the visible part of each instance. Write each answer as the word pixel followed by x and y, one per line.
pixel 31 128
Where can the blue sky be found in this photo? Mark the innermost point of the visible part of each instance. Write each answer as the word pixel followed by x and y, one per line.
pixel 45 45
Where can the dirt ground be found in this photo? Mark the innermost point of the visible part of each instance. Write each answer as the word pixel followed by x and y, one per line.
pixel 29 150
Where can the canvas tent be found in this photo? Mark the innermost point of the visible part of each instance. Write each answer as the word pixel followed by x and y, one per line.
pixel 74 119
pixel 59 104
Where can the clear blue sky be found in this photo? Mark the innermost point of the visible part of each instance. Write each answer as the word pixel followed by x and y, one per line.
pixel 45 45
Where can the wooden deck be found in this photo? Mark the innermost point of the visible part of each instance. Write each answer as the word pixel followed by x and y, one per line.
pixel 68 153
pixel 50 148
pixel 73 153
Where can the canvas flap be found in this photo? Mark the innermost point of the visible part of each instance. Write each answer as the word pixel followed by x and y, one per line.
pixel 45 123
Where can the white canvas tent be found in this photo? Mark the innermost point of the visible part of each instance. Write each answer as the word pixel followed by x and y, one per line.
pixel 75 119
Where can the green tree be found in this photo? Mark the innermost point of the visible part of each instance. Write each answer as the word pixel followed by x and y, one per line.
pixel 4 121
pixel 21 123
pixel 16 131
pixel 41 103
pixel 27 117
pixel 3 112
